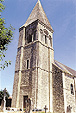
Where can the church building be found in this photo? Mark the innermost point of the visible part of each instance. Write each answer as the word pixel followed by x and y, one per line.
pixel 39 79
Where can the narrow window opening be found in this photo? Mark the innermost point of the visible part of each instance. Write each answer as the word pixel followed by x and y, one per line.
pixel 72 92
pixel 29 39
pixel 41 34
pixel 45 39
pixel 50 41
pixel 27 64
pixel 34 36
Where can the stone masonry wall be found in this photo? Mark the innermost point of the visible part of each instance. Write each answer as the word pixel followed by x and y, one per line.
pixel 15 89
pixel 28 85
pixel 20 37
pixel 70 98
pixel 58 97
pixel 29 76
pixel 29 54
pixel 43 89
pixel 44 68
pixel 33 81
pixel 17 65
pixel 43 79
pixel 17 69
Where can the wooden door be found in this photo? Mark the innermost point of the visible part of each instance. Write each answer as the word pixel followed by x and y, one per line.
pixel 27 104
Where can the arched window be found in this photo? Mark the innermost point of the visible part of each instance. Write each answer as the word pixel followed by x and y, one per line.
pixel 31 37
pixel 27 64
pixel 50 40
pixel 45 39
pixel 34 36
pixel 72 92
pixel 41 34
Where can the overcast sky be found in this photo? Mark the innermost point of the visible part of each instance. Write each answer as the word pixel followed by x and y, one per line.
pixel 62 17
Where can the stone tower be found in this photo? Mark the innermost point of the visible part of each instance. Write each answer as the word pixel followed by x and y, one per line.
pixel 33 69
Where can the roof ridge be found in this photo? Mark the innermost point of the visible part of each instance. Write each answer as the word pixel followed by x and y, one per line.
pixel 61 66
pixel 65 65
pixel 65 68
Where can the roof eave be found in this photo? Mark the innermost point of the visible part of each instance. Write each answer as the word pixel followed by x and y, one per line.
pixel 65 71
pixel 50 28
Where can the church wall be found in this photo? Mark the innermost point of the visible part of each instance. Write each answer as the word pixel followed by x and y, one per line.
pixel 15 89
pixel 43 30
pixel 34 88
pixel 20 37
pixel 43 89
pixel 25 78
pixel 29 76
pixel 43 77
pixel 24 91
pixel 58 97
pixel 70 98
pixel 17 65
pixel 45 68
pixel 29 54
pixel 43 57
pixel 28 86
pixel 16 78
pixel 31 30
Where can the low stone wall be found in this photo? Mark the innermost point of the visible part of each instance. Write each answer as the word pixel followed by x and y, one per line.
pixel 18 112
pixel 13 112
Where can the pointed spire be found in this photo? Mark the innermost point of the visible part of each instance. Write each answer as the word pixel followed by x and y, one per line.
pixel 38 1
pixel 38 14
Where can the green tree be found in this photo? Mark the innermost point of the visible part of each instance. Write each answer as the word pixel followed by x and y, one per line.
pixel 6 36
pixel 2 95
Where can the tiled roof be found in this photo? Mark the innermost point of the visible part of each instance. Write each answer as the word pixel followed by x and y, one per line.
pixel 10 97
pixel 65 68
pixel 38 14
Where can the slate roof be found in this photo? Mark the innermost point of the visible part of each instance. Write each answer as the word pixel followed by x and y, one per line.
pixel 38 14
pixel 65 68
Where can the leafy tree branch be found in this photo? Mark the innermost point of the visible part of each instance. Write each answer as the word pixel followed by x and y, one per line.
pixel 6 36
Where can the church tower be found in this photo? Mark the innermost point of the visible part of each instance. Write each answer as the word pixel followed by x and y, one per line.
pixel 33 69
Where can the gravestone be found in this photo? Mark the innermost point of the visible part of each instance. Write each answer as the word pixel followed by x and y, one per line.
pixel 45 108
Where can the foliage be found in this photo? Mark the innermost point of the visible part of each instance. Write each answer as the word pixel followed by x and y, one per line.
pixel 6 36
pixel 2 94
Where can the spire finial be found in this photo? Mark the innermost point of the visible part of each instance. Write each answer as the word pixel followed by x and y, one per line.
pixel 38 0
